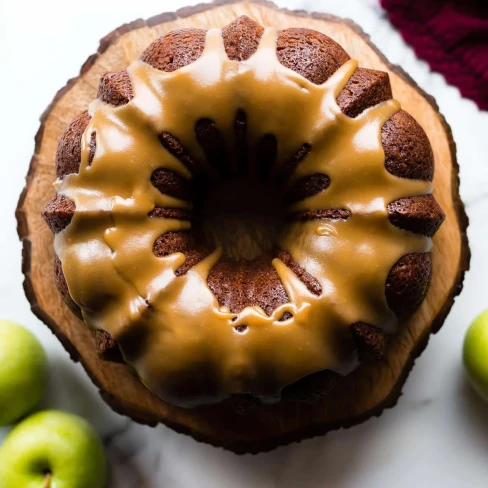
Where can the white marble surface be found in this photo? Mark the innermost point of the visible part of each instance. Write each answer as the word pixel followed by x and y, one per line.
pixel 438 433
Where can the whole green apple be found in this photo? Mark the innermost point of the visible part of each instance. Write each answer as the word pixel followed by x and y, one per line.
pixel 475 354
pixel 53 449
pixel 23 372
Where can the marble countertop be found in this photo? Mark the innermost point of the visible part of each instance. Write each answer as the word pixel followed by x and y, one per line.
pixel 438 433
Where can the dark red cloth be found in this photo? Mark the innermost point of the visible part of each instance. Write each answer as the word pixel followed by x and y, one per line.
pixel 452 36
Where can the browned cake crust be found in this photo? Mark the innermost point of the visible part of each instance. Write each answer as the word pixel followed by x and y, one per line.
pixel 408 153
pixel 115 88
pixel 175 50
pixel 172 213
pixel 172 242
pixel 172 184
pixel 241 38
pixel 174 146
pixel 407 283
pixel 59 212
pixel 307 187
pixel 309 281
pixel 370 341
pixel 237 284
pixel 421 215
pixel 68 155
pixel 310 53
pixel 330 214
pixel 365 88
pixel 63 287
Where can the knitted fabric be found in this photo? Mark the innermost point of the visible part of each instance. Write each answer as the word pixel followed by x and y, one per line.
pixel 452 36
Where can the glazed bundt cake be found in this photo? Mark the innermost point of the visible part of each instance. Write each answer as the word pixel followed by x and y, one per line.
pixel 243 214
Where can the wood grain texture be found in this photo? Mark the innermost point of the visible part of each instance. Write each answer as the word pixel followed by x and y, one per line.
pixel 363 394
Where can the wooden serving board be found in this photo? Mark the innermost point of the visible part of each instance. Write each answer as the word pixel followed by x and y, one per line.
pixel 363 394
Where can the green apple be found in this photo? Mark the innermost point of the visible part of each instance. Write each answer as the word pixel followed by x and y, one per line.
pixel 475 354
pixel 23 372
pixel 53 449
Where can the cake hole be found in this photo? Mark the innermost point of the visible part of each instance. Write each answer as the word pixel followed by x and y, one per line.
pixel 244 216
pixel 240 130
pixel 286 316
pixel 213 145
pixel 266 153
pixel 240 328
pixel 286 169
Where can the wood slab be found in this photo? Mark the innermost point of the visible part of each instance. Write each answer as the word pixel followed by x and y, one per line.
pixel 366 392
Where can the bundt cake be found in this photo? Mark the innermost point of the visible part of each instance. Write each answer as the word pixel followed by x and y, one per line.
pixel 243 215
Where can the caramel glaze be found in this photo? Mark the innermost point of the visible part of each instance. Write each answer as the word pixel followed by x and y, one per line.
pixel 185 347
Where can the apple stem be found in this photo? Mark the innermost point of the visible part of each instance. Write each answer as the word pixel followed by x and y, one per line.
pixel 47 481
